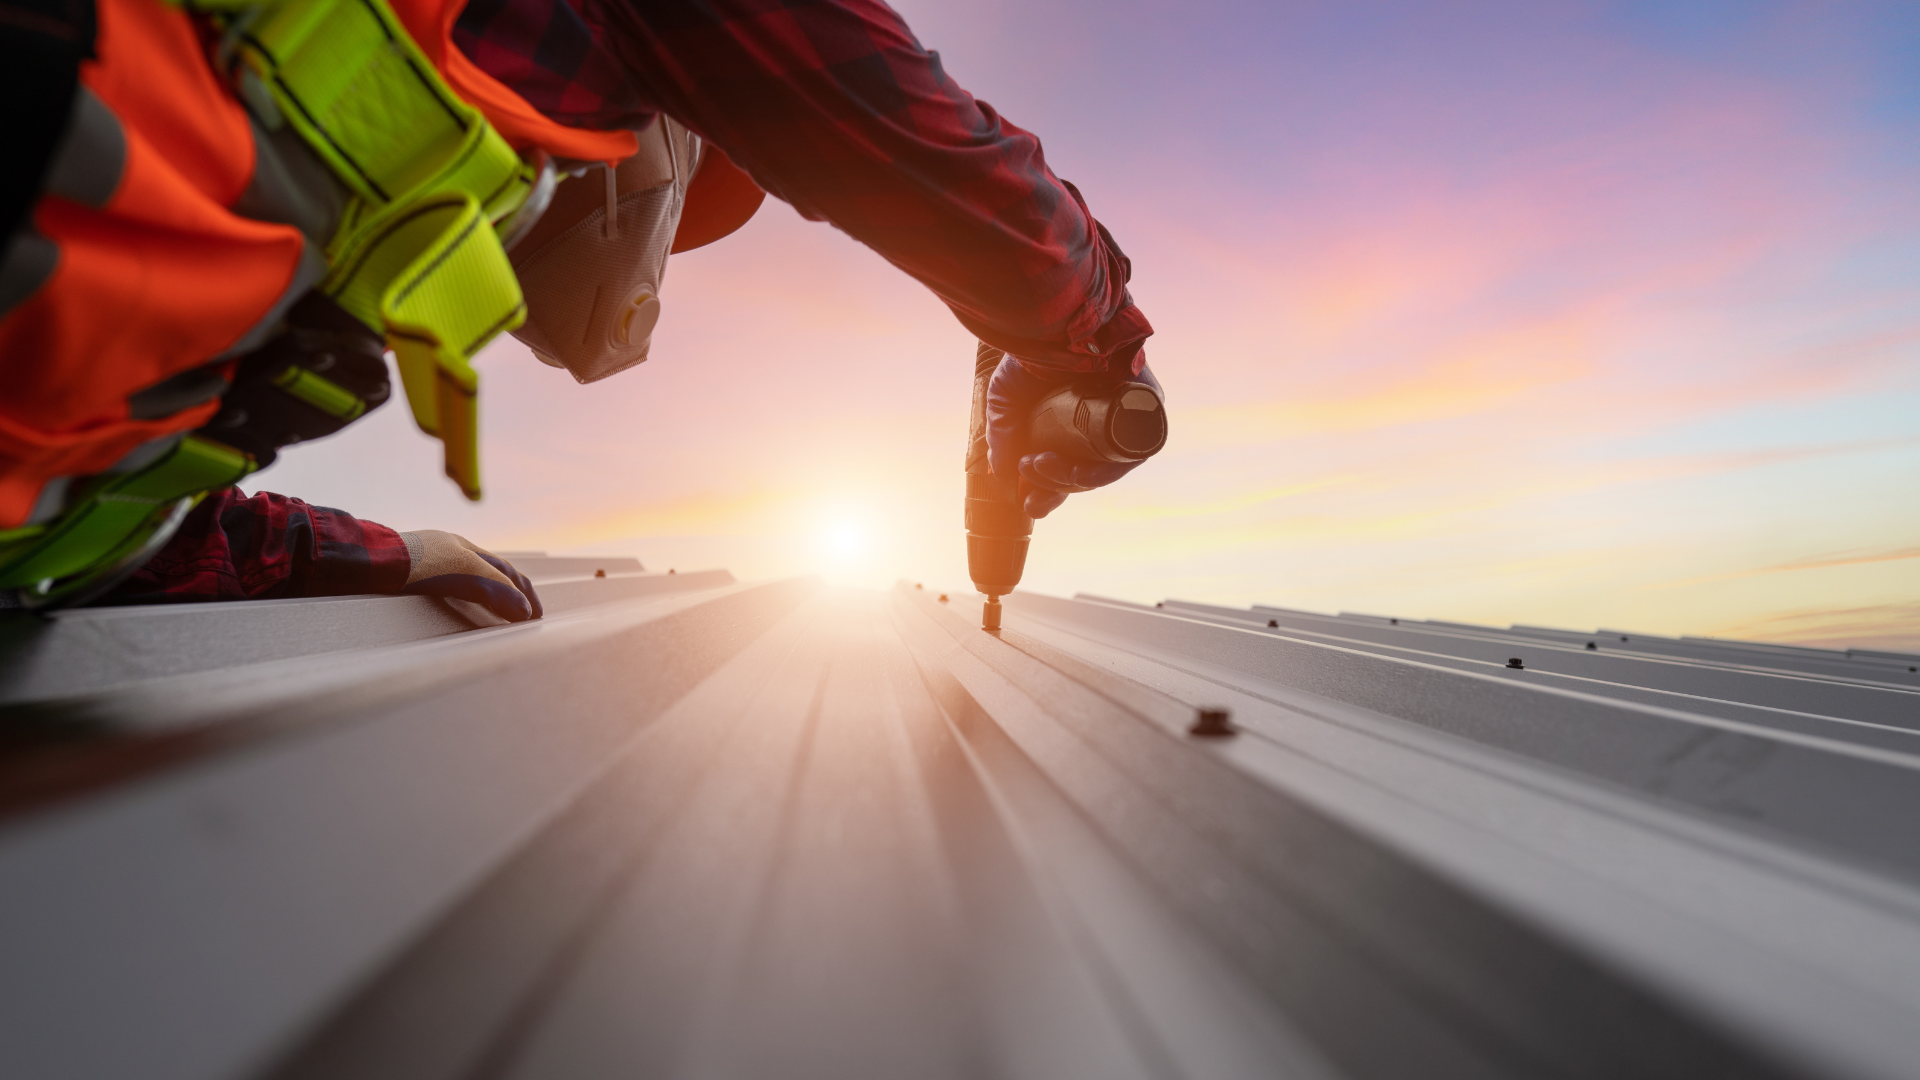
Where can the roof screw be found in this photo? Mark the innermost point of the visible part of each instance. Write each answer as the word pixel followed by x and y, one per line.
pixel 1273 622
pixel 1395 622
pixel 669 569
pixel 943 598
pixel 599 573
pixel 917 585
pixel 1211 723
pixel 1514 662
pixel 1592 645
pixel 1623 637
pixel 1159 605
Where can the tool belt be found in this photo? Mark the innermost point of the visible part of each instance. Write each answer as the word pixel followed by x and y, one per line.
pixel 418 258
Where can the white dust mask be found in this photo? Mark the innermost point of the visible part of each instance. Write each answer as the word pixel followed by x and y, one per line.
pixel 593 291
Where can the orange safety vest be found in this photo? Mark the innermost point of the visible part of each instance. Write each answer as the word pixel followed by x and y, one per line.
pixel 151 273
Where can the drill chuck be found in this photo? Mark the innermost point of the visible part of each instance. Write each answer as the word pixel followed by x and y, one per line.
pixel 998 532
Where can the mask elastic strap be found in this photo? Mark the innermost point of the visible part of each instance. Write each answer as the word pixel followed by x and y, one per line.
pixel 674 149
pixel 673 156
pixel 612 229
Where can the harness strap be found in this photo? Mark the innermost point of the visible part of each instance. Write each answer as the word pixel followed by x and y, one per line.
pixel 445 289
pixel 116 525
pixel 418 254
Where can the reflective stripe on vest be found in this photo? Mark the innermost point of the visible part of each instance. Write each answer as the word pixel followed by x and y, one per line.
pixel 119 523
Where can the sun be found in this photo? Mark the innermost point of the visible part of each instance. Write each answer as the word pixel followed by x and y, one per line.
pixel 850 542
pixel 845 539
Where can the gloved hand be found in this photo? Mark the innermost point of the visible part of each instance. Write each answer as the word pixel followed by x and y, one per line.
pixel 1046 479
pixel 449 565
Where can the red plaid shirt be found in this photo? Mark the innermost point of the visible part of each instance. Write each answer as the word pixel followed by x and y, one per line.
pixel 832 106
pixel 268 547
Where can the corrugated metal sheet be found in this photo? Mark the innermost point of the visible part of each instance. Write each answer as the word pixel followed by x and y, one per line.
pixel 686 827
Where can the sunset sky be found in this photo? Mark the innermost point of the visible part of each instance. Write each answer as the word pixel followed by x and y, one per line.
pixel 1577 314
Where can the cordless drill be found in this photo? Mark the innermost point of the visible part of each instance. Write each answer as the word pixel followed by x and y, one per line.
pixel 1108 422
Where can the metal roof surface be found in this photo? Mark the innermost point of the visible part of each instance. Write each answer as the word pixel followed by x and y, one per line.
pixel 689 827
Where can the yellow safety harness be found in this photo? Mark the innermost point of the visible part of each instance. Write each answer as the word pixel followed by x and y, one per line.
pixel 418 256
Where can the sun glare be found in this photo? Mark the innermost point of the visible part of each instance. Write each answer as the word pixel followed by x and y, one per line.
pixel 852 545
pixel 844 535
pixel 845 540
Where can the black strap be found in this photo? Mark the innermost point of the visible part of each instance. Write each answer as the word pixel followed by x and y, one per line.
pixel 41 45
pixel 258 417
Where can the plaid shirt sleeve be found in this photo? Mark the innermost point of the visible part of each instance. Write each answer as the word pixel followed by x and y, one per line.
pixel 548 55
pixel 835 108
pixel 268 547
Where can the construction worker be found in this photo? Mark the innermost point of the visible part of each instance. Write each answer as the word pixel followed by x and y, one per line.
pixel 240 207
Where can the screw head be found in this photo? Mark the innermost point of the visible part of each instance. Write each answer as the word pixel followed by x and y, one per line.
pixel 943 598
pixel 1273 623
pixel 1514 662
pixel 599 573
pixel 1592 645
pixel 1212 723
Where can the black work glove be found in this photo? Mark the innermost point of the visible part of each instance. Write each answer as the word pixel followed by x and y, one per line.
pixel 1046 479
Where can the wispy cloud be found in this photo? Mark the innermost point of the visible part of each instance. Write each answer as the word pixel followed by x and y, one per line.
pixel 1894 627
pixel 1854 558
pixel 703 514
pixel 1229 505
pixel 1475 379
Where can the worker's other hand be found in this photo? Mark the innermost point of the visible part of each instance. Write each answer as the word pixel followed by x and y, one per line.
pixel 449 565
pixel 1046 479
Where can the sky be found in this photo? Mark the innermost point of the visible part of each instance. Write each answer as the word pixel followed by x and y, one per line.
pixel 1568 314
